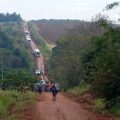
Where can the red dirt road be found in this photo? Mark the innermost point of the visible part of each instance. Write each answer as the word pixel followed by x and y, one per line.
pixel 62 109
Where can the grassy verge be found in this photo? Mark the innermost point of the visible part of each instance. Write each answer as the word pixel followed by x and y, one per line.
pixel 116 109
pixel 42 44
pixel 12 103
pixel 79 89
pixel 99 107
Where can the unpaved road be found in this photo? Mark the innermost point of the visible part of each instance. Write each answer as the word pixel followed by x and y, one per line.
pixel 39 60
pixel 62 109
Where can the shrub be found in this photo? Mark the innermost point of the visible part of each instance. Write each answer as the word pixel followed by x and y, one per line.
pixel 116 108
pixel 99 105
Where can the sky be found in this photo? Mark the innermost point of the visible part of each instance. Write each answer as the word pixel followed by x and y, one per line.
pixel 58 9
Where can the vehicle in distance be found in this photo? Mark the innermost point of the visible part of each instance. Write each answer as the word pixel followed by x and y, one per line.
pixel 37 72
pixel 27 32
pixel 37 52
pixel 28 38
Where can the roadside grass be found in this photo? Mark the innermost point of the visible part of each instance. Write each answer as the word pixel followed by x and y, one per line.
pixel 46 50
pixel 13 102
pixel 35 34
pixel 80 89
pixel 99 106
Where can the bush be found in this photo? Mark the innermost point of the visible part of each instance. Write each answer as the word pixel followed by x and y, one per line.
pixel 102 67
pixel 80 89
pixel 116 108
pixel 99 105
pixel 6 100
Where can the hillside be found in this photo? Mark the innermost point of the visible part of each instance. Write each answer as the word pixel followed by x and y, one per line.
pixel 52 30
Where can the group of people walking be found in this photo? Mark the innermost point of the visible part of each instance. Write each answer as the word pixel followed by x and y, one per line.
pixel 46 87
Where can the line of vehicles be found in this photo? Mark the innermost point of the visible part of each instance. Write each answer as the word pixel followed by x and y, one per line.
pixel 28 38
pixel 36 51
pixel 40 71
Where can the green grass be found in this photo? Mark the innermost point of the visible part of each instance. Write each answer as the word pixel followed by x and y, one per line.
pixel 99 106
pixel 46 50
pixel 13 101
pixel 80 89
pixel 116 109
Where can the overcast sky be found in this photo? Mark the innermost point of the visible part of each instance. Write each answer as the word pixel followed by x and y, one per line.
pixel 58 9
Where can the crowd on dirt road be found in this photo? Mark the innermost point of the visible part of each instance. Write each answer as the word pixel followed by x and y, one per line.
pixel 45 86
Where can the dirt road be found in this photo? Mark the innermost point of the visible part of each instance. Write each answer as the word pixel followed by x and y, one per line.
pixel 62 109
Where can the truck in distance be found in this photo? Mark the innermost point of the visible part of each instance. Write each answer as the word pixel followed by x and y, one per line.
pixel 27 33
pixel 37 52
pixel 28 38
pixel 38 72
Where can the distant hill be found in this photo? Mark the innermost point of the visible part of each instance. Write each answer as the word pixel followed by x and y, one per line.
pixel 52 30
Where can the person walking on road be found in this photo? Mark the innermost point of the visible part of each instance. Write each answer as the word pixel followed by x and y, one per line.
pixel 54 91
pixel 39 88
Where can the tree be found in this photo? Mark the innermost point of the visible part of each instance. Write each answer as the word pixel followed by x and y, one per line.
pixel 13 79
pixel 106 57
pixel 14 17
pixel 112 5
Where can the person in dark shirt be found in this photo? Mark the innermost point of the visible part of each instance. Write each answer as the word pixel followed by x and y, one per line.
pixel 54 91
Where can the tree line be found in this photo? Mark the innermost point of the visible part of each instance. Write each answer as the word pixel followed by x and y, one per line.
pixel 14 17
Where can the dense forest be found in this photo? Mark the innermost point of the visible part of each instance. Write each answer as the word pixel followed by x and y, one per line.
pixel 15 56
